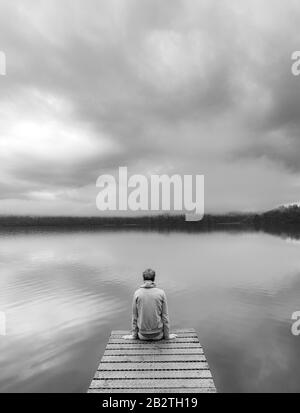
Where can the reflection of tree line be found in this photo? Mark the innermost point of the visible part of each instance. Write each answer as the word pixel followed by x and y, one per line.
pixel 284 221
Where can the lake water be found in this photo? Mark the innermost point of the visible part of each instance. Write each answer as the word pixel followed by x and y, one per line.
pixel 63 293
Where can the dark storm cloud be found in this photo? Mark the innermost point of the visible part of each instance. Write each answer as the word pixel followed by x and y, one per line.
pixel 176 85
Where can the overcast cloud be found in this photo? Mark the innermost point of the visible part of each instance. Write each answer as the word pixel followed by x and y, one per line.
pixel 172 86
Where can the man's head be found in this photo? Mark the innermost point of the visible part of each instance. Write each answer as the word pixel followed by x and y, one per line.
pixel 149 275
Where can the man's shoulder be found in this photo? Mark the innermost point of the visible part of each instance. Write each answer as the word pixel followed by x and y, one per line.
pixel 137 292
pixel 157 290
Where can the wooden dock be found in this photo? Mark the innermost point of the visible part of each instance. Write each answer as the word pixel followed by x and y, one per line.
pixel 166 366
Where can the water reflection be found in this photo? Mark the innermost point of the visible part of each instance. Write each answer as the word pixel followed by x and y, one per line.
pixel 64 292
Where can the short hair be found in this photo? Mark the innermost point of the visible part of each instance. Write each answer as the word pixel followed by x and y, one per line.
pixel 149 275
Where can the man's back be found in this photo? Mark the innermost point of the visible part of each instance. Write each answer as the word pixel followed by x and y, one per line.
pixel 150 312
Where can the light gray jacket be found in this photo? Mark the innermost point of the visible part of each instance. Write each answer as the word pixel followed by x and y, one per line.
pixel 150 311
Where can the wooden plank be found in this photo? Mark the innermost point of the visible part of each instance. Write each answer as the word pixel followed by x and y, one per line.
pixel 200 365
pixel 175 331
pixel 154 351
pixel 159 357
pixel 161 390
pixel 151 383
pixel 183 335
pixel 178 333
pixel 147 345
pixel 161 342
pixel 153 374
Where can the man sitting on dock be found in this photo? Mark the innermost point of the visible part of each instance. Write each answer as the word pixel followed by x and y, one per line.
pixel 150 319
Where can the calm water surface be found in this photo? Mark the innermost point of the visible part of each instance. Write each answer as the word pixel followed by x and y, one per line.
pixel 63 294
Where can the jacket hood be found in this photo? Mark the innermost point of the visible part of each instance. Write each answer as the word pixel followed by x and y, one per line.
pixel 148 284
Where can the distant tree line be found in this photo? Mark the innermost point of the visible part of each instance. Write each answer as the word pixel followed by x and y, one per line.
pixel 281 219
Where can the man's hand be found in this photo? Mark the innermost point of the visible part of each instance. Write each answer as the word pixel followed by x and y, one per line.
pixel 172 337
pixel 129 337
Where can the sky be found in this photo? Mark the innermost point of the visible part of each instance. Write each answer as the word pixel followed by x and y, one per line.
pixel 162 87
